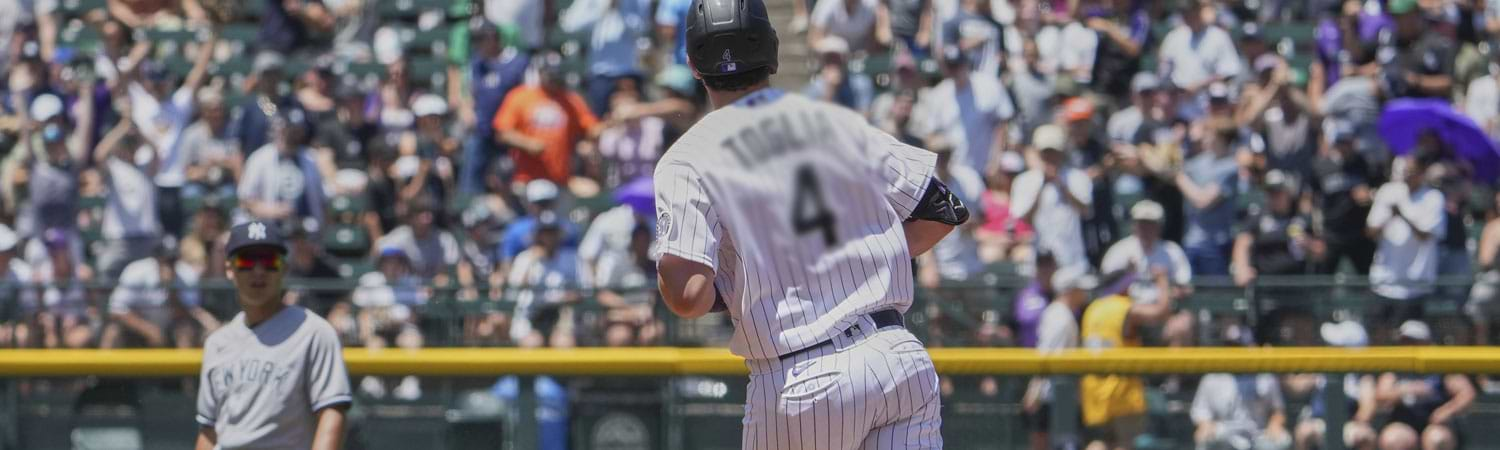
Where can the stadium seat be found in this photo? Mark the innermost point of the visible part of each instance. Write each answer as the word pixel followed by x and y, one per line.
pixel 344 205
pixel 973 420
pixel 396 425
pixel 429 71
pixel 1298 33
pixel 433 41
pixel 84 39
pixel 476 420
pixel 108 416
pixel 405 9
pixel 80 7
pixel 345 240
pixel 240 32
pixel 711 411
pixel 355 267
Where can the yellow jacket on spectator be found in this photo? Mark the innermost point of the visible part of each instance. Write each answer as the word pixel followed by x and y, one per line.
pixel 1105 398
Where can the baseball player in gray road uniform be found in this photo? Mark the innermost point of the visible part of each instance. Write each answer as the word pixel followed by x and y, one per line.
pixel 800 220
pixel 274 376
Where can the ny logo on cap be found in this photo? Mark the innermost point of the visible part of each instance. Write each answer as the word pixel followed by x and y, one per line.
pixel 727 56
pixel 257 231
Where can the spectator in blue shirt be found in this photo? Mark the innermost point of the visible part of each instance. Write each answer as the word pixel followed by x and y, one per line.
pixel 834 82
pixel 541 196
pixel 250 122
pixel 671 19
pixel 494 71
pixel 1208 182
pixel 614 61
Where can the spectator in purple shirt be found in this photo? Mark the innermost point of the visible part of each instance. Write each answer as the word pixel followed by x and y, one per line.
pixel 1032 300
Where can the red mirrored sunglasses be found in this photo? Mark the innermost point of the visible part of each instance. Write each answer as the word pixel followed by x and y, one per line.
pixel 248 261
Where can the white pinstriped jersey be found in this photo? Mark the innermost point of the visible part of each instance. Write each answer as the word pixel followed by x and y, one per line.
pixel 797 206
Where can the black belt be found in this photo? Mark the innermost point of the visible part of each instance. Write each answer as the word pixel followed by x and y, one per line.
pixel 883 318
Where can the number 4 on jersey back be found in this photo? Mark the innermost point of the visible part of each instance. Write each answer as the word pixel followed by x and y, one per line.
pixel 809 211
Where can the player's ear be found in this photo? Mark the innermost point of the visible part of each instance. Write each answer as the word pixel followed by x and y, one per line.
pixel 229 273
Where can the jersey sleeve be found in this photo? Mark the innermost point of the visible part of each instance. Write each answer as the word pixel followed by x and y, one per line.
pixel 327 378
pixel 208 400
pixel 687 225
pixel 904 170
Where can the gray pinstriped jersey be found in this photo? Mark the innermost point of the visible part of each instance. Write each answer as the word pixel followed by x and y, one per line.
pixel 797 205
pixel 260 387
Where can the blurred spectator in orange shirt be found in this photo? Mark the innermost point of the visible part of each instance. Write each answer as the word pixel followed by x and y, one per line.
pixel 545 121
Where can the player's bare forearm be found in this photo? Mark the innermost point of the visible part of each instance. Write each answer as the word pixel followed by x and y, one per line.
pixel 686 287
pixel 330 435
pixel 207 439
pixel 922 235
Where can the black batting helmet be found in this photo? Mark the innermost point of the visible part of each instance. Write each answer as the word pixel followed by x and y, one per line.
pixel 727 37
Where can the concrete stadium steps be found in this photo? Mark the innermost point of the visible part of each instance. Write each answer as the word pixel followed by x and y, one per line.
pixel 794 52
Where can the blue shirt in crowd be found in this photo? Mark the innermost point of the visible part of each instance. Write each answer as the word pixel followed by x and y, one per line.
pixel 518 236
pixel 674 13
pixel 1212 226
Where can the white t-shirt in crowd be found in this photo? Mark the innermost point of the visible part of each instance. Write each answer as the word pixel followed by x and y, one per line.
pixel 1405 266
pixel 1071 47
pixel 1482 103
pixel 609 232
pixel 163 124
pixel 1190 58
pixel 140 291
pixel 130 209
pixel 527 14
pixel 967 116
pixel 1234 408
pixel 1059 227
pixel 1165 254
pixel 856 27
pixel 1057 331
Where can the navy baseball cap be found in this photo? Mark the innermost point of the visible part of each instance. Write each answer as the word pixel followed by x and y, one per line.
pixel 255 233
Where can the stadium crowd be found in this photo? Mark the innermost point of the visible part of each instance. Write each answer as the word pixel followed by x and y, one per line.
pixel 502 149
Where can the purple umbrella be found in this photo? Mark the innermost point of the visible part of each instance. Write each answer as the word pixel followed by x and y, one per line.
pixel 1405 120
pixel 638 193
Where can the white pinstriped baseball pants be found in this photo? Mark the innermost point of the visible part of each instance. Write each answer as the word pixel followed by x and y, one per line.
pixel 868 390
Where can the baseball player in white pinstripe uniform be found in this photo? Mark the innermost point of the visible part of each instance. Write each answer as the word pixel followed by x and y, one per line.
pixel 800 220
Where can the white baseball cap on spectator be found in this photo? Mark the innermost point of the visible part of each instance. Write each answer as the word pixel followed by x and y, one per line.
pixel 1147 210
pixel 1338 130
pixel 1416 330
pixel 268 61
pixel 208 96
pixel 8 238
pixel 45 107
pixel 1144 81
pixel 1346 333
pixel 1218 91
pixel 540 191
pixel 1049 137
pixel 429 105
pixel 832 45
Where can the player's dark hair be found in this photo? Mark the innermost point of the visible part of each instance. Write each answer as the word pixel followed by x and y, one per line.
pixel 738 81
